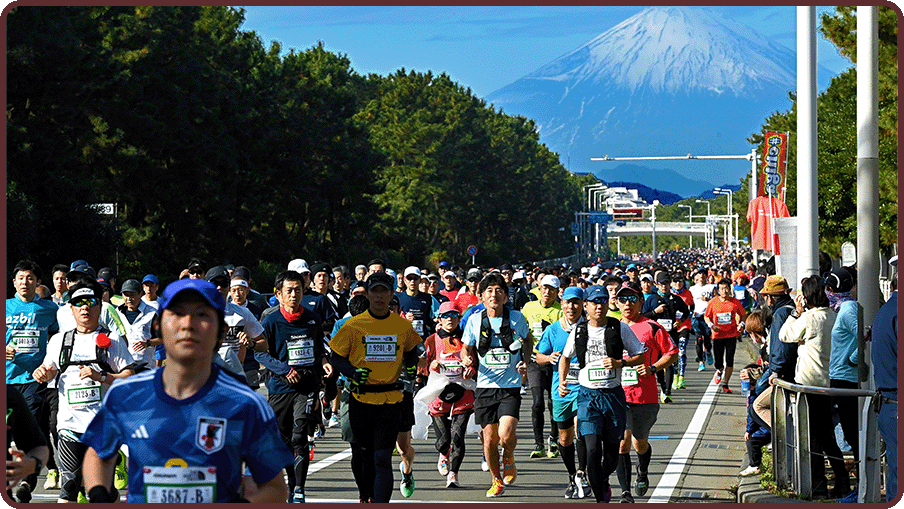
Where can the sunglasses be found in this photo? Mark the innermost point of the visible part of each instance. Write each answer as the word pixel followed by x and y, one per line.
pixel 624 299
pixel 413 278
pixel 83 302
pixel 450 315
pixel 599 300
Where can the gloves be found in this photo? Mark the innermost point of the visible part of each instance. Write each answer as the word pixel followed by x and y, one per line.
pixel 411 371
pixel 358 380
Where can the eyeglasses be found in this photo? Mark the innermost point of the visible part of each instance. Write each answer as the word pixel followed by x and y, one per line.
pixel 83 302
pixel 624 299
pixel 450 315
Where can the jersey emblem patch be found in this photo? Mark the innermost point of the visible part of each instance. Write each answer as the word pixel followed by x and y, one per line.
pixel 210 436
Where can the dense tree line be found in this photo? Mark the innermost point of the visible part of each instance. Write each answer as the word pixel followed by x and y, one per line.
pixel 214 146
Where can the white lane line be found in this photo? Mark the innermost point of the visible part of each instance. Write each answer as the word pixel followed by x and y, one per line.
pixel 325 462
pixel 673 471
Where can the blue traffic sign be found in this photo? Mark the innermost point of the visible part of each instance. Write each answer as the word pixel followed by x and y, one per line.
pixel 599 217
pixel 472 250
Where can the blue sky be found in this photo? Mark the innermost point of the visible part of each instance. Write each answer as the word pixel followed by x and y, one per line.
pixel 481 47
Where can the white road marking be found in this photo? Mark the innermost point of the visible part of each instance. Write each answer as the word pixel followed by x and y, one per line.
pixel 680 457
pixel 325 462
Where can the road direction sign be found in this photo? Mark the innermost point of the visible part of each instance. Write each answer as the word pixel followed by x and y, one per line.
pixel 599 217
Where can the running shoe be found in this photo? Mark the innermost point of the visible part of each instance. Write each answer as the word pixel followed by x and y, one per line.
pixel 608 496
pixel 571 491
pixel 121 473
pixel 681 384
pixel 538 452
pixel 311 451
pixel 665 398
pixel 675 385
pixel 298 496
pixel 497 489
pixel 642 483
pixel 626 498
pixel 452 480
pixel 709 358
pixel 701 367
pixel 406 486
pixel 580 481
pixel 53 480
pixel 81 499
pixel 443 464
pixel 717 378
pixel 509 472
pixel 552 447
pixel 484 465
pixel 726 390
pixel 321 431
pixel 395 451
pixel 334 422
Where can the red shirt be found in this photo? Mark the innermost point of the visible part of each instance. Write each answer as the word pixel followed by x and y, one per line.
pixel 727 314
pixel 657 344
pixel 688 299
pixel 466 300
pixel 445 350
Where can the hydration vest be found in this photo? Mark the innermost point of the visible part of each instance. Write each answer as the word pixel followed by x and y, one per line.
pixel 611 338
pixel 506 337
pixel 100 357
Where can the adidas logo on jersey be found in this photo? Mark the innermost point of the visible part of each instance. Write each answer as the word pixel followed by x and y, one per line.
pixel 141 432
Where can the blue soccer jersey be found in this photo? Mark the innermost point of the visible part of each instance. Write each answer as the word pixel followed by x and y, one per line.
pixel 189 450
pixel 553 340
pixel 29 325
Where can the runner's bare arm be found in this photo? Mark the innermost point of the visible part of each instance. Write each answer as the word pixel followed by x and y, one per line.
pixel 97 472
pixel 273 491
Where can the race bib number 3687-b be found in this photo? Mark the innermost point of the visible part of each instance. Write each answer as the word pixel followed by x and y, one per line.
pixel 180 485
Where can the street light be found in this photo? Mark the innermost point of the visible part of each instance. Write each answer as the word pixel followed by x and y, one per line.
pixel 729 193
pixel 708 220
pixel 690 219
pixel 653 220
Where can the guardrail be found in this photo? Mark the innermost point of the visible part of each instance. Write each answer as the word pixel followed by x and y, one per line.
pixel 791 439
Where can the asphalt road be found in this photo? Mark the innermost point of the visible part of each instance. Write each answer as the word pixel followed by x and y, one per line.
pixel 697 443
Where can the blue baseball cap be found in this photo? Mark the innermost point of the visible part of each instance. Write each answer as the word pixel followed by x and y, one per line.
pixel 152 278
pixel 630 266
pixel 206 289
pixel 596 292
pixel 77 263
pixel 573 292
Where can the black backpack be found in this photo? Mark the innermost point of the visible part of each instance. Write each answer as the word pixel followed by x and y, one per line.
pixel 66 353
pixel 506 337
pixel 611 338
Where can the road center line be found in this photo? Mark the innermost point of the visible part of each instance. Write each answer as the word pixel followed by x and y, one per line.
pixel 675 468
pixel 329 460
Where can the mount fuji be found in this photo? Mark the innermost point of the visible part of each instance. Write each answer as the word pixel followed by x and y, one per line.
pixel 668 81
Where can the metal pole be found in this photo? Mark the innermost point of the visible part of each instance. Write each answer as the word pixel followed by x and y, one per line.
pixel 867 227
pixel 807 169
pixel 653 219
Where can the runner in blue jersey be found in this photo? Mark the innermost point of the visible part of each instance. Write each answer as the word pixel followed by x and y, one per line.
pixel 565 408
pixel 297 360
pixel 30 321
pixel 189 425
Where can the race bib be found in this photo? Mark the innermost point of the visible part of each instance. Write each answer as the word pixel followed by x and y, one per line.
pixel 451 367
pixel 740 294
pixel 498 359
pixel 678 316
pixel 380 348
pixel 180 485
pixel 418 326
pixel 572 377
pixel 629 376
pixel 86 393
pixel 26 341
pixel 595 376
pixel 723 318
pixel 666 323
pixel 301 352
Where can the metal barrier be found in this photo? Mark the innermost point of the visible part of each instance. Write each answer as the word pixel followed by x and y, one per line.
pixel 791 439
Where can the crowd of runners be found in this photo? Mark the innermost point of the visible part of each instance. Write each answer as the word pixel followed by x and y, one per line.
pixel 156 390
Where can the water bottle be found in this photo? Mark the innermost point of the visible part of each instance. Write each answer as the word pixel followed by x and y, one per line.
pixel 745 387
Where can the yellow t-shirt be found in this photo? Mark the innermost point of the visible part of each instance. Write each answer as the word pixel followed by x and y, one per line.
pixel 536 314
pixel 377 344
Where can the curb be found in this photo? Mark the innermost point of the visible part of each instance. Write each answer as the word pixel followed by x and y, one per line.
pixel 750 491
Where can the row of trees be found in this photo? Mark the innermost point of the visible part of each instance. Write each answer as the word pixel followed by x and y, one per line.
pixel 214 146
